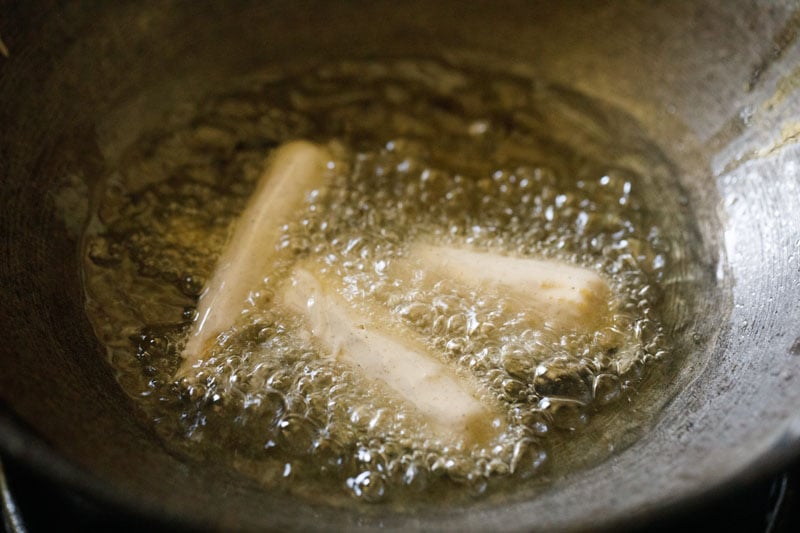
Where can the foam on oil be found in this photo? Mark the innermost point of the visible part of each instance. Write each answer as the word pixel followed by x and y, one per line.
pixel 427 150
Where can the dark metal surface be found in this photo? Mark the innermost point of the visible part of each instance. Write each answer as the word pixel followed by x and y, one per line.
pixel 715 84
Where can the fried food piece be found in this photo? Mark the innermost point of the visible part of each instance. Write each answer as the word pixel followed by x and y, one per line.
pixel 563 296
pixel 444 399
pixel 293 170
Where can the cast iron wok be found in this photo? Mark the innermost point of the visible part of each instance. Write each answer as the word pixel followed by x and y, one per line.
pixel 714 84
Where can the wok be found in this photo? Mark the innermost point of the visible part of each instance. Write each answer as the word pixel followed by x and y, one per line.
pixel 715 84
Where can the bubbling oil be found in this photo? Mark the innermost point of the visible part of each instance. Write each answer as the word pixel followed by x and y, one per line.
pixel 449 153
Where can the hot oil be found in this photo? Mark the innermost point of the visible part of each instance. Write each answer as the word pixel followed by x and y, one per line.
pixel 427 150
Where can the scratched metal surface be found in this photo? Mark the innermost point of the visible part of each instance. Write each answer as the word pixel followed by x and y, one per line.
pixel 714 83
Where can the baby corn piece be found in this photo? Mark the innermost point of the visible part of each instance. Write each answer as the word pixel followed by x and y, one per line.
pixel 564 296
pixel 293 171
pixel 445 400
